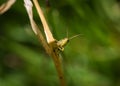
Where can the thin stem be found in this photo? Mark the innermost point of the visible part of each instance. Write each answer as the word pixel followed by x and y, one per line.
pixel 50 47
pixel 47 31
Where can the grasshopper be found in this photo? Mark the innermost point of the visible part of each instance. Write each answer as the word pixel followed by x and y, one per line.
pixel 62 43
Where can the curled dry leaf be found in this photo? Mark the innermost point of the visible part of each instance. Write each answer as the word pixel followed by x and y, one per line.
pixel 6 6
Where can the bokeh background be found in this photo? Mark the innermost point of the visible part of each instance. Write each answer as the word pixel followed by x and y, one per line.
pixel 92 59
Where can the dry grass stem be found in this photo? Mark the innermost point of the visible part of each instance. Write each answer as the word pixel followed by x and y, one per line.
pixel 50 47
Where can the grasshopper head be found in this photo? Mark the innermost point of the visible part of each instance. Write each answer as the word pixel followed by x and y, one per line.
pixel 62 43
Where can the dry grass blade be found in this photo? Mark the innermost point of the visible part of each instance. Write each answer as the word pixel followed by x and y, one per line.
pixel 47 31
pixel 6 6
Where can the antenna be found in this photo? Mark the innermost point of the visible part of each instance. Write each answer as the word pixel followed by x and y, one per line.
pixel 74 36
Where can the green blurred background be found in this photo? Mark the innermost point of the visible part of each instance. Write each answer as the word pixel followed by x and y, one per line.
pixel 92 59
